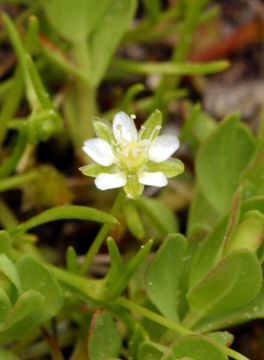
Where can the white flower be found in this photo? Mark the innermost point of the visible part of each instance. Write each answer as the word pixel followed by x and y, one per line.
pixel 126 158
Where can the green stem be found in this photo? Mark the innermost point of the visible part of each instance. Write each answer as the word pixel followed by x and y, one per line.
pixel 91 288
pixel 159 319
pixel 9 165
pixel 14 181
pixel 181 50
pixel 146 31
pixel 98 241
pixel 145 104
pixel 192 318
pixel 234 354
pixel 11 102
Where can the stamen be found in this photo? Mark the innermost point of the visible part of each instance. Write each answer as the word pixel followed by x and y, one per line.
pixel 133 116
pixel 155 130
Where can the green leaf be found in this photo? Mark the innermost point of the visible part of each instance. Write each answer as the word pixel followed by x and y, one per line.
pixel 115 288
pixel 197 348
pixel 5 306
pixel 116 267
pixel 202 215
pixel 133 220
pixel 223 338
pixel 139 334
pixel 64 212
pixel 170 168
pixel 5 243
pixel 28 302
pixel 151 127
pixel 72 260
pixel 254 175
pixel 193 112
pixel 161 217
pixel 163 276
pixel 130 95
pixel 7 355
pixel 256 203
pixel 235 281
pixel 248 312
pixel 170 68
pixel 104 339
pixel 221 160
pixel 42 292
pixel 208 254
pixel 9 270
pixel 153 8
pixel 44 119
pixel 74 19
pixel 249 233
pixel 188 258
pixel 108 34
pixel 149 350
pixel 233 220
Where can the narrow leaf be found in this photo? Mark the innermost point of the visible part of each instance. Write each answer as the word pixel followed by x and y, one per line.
pixel 64 212
pixel 169 68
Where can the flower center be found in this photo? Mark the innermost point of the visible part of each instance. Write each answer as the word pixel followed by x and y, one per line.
pixel 132 155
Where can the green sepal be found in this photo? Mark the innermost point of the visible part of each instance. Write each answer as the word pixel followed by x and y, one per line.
pixel 170 168
pixel 95 169
pixel 133 188
pixel 103 130
pixel 151 127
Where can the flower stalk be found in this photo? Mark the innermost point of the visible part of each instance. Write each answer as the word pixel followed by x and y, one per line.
pixel 98 241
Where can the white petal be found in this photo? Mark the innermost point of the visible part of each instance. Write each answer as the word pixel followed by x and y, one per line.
pixel 153 179
pixel 163 147
pixel 110 181
pixel 124 128
pixel 100 151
